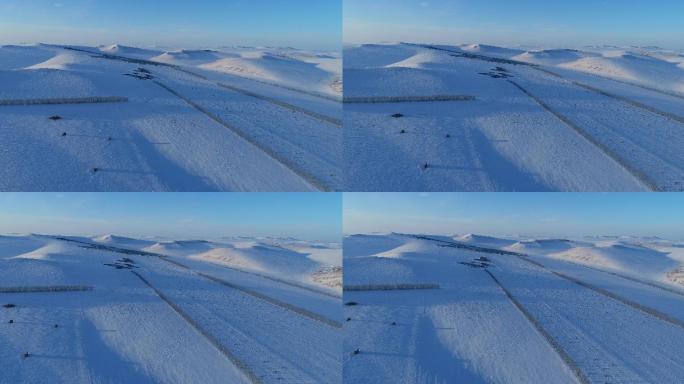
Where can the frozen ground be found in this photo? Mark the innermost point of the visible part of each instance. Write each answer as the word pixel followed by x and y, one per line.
pixel 512 310
pixel 600 119
pixel 250 120
pixel 105 310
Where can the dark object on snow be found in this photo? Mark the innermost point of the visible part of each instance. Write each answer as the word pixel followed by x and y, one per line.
pixel 425 166
pixel 394 323
pixel 475 265
pixel 94 169
pixel 356 351
pixel 55 117
pixel 496 75
pixel 141 74
pixel 402 131
pixel 448 136
pixel 9 306
pixel 348 318
pixel 56 326
pixel 63 134
pixel 11 321
pixel 25 355
pixel 397 115
pixel 351 303
pixel 109 139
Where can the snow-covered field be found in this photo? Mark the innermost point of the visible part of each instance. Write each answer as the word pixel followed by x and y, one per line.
pixel 596 119
pixel 117 310
pixel 599 310
pixel 235 119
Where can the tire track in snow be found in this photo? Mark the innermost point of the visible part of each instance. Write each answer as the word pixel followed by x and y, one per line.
pixel 585 86
pixel 271 100
pixel 640 176
pixel 666 93
pixel 596 364
pixel 271 300
pixel 645 309
pixel 302 91
pixel 270 360
pixel 600 363
pixel 310 179
pixel 617 97
pixel 292 107
pixel 168 258
pixel 636 280
pixel 211 339
pixel 569 362
pixel 292 308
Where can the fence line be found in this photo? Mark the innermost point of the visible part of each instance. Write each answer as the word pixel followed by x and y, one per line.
pixel 389 287
pixel 57 288
pixel 72 100
pixel 406 99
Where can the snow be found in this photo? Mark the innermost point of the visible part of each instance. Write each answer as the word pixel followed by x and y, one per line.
pixel 183 127
pixel 553 57
pixel 483 240
pixel 528 121
pixel 648 258
pixel 539 315
pixel 311 71
pixel 123 50
pixel 149 318
pixel 464 331
pixel 300 263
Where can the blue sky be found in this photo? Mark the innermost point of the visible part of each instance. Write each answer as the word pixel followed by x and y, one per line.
pixel 554 23
pixel 308 24
pixel 528 214
pixel 316 216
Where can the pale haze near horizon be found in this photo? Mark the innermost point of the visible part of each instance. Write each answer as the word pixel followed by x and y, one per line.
pixel 540 215
pixel 177 216
pixel 524 23
pixel 174 23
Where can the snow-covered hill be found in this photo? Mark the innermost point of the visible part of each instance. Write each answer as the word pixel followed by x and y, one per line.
pixel 318 72
pixel 479 309
pixel 112 118
pixel 423 117
pixel 99 310
pixel 291 260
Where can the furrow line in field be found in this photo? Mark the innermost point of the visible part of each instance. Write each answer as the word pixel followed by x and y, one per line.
pixel 310 179
pixel 212 340
pixel 640 176
pixel 569 362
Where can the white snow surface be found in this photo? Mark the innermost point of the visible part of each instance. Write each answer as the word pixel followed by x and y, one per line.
pixel 544 120
pixel 620 322
pixel 121 330
pixel 276 129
